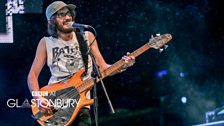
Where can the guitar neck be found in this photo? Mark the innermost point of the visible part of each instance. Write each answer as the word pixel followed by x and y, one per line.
pixel 88 84
pixel 121 62
pixel 154 42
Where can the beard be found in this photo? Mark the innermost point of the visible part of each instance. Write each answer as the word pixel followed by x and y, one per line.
pixel 62 29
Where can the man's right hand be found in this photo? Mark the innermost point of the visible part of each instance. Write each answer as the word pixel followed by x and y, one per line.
pixel 43 104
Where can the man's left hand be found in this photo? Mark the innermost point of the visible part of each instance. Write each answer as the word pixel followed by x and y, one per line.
pixel 129 61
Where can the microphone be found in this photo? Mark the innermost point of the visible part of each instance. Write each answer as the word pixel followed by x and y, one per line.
pixel 77 25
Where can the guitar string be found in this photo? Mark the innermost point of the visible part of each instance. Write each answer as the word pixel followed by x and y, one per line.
pixel 71 92
pixel 109 70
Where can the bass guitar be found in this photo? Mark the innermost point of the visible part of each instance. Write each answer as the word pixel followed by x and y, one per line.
pixel 72 94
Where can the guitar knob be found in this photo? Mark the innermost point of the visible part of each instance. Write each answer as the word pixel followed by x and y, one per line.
pixel 48 124
pixel 63 119
pixel 160 50
pixel 157 34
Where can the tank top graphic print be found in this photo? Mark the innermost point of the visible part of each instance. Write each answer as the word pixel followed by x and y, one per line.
pixel 64 58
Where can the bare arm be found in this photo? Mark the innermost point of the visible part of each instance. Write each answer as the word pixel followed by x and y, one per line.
pixel 38 63
pixel 96 53
pixel 100 60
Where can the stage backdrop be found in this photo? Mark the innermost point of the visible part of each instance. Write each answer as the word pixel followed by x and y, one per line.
pixel 175 87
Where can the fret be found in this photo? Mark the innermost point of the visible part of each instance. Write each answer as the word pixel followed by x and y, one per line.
pixel 155 42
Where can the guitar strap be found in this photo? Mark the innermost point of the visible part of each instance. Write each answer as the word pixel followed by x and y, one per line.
pixel 83 47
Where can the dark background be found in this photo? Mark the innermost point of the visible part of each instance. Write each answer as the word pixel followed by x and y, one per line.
pixel 2 17
pixel 150 92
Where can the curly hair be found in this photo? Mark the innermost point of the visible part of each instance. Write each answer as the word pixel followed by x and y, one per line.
pixel 52 26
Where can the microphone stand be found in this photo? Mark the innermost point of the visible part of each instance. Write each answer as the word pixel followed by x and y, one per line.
pixel 96 74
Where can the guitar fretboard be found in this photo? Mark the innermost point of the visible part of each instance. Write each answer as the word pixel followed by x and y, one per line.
pixel 155 42
pixel 89 83
pixel 121 62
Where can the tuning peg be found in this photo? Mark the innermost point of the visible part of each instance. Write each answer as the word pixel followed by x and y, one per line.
pixel 157 34
pixel 160 50
pixel 166 46
pixel 151 36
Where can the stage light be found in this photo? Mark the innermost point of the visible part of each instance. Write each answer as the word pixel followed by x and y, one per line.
pixel 161 73
pixel 184 100
pixel 182 74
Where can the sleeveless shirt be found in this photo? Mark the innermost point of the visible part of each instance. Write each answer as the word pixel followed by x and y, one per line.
pixel 64 59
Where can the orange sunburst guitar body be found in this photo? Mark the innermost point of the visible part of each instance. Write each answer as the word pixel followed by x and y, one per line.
pixel 65 91
pixel 72 93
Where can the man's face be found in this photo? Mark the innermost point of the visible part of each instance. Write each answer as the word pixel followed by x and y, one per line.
pixel 63 17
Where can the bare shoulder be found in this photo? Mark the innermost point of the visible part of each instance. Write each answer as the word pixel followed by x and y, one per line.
pixel 42 45
pixel 42 40
pixel 90 35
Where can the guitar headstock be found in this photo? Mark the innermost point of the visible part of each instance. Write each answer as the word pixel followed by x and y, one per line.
pixel 159 41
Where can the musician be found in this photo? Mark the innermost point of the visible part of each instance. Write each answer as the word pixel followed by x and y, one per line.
pixel 61 52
